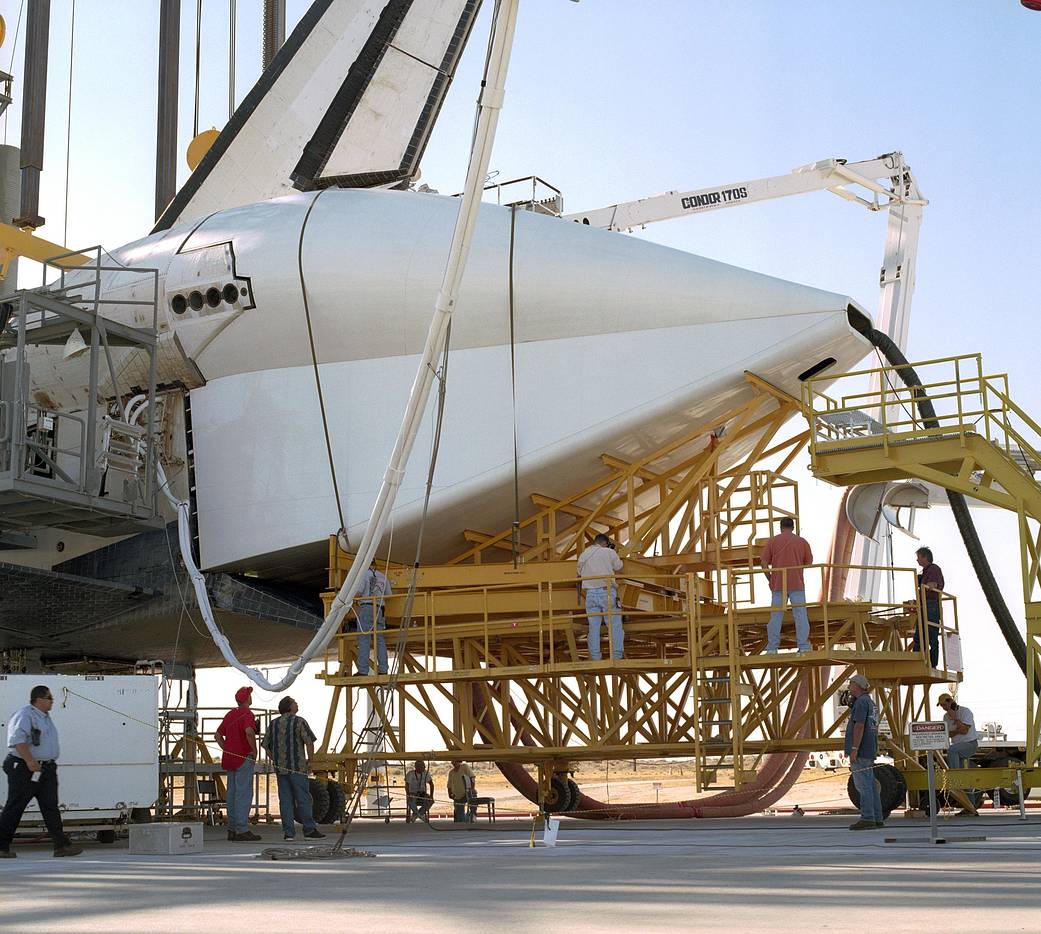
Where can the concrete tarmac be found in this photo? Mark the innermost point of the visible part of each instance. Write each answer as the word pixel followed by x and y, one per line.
pixel 745 875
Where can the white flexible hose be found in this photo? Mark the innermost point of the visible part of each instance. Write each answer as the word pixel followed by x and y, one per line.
pixel 492 94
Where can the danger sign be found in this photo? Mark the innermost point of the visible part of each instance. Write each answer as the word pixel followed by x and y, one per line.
pixel 930 735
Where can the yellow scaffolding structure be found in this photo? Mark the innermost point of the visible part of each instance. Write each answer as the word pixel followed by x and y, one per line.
pixel 494 662
pixel 958 429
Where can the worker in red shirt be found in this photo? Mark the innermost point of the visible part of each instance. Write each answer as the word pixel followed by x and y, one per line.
pixel 791 553
pixel 237 738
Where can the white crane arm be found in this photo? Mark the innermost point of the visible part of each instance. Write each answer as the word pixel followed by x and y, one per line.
pixel 862 182
pixel 882 184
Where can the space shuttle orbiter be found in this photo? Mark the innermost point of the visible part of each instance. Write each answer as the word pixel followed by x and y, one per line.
pixel 619 344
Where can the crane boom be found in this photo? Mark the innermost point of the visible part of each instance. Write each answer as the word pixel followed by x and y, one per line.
pixel 861 182
pixel 882 184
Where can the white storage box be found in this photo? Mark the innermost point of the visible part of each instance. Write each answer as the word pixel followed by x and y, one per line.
pixel 165 839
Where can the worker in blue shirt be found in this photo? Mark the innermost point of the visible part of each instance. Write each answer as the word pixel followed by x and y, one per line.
pixel 372 588
pixel 31 767
pixel 862 747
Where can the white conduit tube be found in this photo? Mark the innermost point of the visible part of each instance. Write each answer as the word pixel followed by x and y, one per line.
pixel 492 95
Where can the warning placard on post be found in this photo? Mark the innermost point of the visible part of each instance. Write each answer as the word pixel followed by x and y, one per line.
pixel 930 735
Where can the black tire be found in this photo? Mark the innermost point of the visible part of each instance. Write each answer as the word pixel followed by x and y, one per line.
pixel 892 788
pixel 319 799
pixel 576 794
pixel 337 803
pixel 946 800
pixel 558 799
pixel 106 836
pixel 1006 797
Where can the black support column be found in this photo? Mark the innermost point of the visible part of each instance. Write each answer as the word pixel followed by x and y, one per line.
pixel 166 122
pixel 34 109
pixel 274 29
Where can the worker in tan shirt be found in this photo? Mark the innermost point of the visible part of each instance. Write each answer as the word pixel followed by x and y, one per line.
pixel 791 552
pixel 598 559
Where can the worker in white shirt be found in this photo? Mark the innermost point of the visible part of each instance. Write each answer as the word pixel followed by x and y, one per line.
pixel 961 728
pixel 596 567
pixel 372 588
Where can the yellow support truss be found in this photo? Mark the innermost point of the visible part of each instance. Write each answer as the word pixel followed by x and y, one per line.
pixel 494 661
pixel 975 441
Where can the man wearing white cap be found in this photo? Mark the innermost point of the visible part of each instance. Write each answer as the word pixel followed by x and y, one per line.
pixel 862 747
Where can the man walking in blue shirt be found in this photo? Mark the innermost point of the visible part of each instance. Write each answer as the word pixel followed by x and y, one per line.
pixel 862 747
pixel 31 767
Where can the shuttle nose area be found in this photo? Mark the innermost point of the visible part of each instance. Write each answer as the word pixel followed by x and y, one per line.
pixel 371 263
pixel 619 345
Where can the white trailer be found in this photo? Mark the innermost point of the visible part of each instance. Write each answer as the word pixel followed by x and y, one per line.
pixel 107 726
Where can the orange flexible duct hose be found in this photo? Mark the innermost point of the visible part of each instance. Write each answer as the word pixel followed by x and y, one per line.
pixel 779 771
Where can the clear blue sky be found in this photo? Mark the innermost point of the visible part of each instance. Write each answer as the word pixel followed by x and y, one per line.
pixel 614 100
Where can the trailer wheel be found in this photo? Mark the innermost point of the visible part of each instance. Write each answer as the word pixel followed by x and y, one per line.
pixel 319 799
pixel 576 794
pixel 559 797
pixel 892 789
pixel 946 800
pixel 1006 797
pixel 106 836
pixel 337 803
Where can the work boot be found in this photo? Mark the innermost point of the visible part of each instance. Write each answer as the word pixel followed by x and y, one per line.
pixel 315 834
pixel 247 837
pixel 231 834
pixel 863 825
pixel 70 849
pixel 879 823
pixel 7 854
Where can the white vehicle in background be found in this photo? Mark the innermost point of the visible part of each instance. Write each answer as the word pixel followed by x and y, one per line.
pixel 828 761
pixel 109 762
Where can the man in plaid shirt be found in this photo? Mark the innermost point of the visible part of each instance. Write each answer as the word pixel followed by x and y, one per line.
pixel 289 743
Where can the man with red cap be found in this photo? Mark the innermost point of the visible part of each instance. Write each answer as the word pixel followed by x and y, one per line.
pixel 237 738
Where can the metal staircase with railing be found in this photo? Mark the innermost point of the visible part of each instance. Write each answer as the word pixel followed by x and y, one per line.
pixel 949 423
pixel 87 467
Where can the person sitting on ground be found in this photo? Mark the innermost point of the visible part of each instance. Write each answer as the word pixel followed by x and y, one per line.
pixel 419 792
pixel 783 559
pixel 596 567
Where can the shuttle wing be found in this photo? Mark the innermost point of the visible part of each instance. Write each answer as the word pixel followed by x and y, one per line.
pixel 349 101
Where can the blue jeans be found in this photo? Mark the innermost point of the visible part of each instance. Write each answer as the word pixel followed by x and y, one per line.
pixel 959 754
pixel 464 811
pixel 365 639
pixel 294 801
pixel 870 796
pixel 802 621
pixel 932 613
pixel 599 603
pixel 240 797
